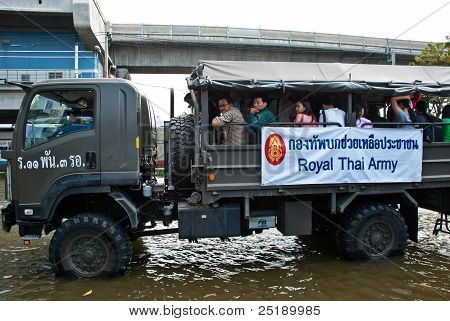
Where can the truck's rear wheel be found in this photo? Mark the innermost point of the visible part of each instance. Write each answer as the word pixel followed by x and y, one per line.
pixel 90 245
pixel 372 231
pixel 181 149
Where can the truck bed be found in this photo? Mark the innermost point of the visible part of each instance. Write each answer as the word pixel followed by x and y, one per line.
pixel 238 173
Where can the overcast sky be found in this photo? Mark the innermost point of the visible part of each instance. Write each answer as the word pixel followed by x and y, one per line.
pixel 425 20
pixel 378 18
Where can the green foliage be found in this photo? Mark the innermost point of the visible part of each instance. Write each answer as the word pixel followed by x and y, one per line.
pixel 435 54
pixel 159 172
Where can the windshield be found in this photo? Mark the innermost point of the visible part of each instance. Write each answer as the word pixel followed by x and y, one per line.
pixel 58 113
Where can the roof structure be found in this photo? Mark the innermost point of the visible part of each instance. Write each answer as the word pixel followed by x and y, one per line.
pixel 327 77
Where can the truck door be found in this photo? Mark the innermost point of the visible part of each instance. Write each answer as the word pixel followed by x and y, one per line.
pixel 56 146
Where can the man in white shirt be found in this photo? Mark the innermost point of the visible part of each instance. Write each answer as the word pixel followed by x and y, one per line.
pixel 331 114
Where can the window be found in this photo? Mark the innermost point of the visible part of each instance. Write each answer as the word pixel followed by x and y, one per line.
pixel 25 77
pixel 54 114
pixel 55 75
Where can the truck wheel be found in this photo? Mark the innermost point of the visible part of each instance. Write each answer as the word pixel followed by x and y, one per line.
pixel 181 149
pixel 372 231
pixel 89 245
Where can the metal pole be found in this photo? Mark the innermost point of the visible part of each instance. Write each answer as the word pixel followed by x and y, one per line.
pixel 205 122
pixel 106 64
pixel 392 57
pixel 196 126
pixel 349 104
pixel 349 108
pixel 172 103
pixel 76 60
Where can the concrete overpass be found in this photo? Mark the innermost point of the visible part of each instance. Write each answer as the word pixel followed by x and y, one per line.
pixel 83 16
pixel 48 39
pixel 176 49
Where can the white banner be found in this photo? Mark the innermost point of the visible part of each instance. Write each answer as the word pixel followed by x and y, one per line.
pixel 298 156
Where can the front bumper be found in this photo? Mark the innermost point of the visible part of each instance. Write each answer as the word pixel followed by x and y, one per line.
pixel 8 216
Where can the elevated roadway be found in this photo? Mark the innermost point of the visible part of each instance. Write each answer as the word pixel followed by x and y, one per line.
pixel 176 49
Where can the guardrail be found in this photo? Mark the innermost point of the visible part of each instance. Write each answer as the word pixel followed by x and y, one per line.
pixel 33 75
pixel 245 36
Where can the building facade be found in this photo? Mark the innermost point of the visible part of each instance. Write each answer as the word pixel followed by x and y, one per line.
pixel 42 40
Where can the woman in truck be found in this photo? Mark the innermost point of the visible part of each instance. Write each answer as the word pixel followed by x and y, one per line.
pixel 304 114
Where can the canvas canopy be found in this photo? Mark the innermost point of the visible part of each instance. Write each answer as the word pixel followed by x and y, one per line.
pixel 326 77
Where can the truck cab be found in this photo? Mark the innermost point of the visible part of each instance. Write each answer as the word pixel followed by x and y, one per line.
pixel 75 144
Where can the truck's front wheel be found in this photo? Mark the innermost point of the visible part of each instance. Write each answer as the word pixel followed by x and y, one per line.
pixel 372 231
pixel 90 245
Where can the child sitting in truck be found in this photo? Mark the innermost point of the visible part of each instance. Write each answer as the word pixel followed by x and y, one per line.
pixel 361 122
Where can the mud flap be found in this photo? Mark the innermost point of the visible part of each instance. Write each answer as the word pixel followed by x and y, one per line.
pixel 410 213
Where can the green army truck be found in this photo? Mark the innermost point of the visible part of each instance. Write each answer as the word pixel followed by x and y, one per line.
pixel 82 164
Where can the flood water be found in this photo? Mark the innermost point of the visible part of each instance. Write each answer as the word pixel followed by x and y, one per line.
pixel 267 266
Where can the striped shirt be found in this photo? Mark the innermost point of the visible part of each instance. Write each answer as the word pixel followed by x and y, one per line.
pixel 233 135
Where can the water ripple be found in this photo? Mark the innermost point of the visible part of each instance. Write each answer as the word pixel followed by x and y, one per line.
pixel 264 266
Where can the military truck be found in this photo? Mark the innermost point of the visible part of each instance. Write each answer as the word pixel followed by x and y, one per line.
pixel 82 164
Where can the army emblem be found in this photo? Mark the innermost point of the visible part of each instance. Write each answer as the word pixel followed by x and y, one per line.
pixel 274 149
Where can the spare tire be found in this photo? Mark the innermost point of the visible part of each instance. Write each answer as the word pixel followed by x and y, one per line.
pixel 181 149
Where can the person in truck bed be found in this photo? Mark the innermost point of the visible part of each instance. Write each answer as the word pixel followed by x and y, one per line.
pixel 430 132
pixel 259 116
pixel 402 112
pixel 233 134
pixel 446 121
pixel 330 114
pixel 304 114
pixel 361 121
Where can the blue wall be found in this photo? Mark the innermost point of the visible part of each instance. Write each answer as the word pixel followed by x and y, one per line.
pixel 40 50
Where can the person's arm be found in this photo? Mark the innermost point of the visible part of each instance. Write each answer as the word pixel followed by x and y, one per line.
pixel 221 120
pixel 251 119
pixel 395 107
pixel 265 117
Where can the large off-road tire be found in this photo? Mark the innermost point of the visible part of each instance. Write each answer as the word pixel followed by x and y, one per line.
pixel 90 245
pixel 181 149
pixel 372 231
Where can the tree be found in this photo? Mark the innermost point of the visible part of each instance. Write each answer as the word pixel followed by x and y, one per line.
pixel 435 54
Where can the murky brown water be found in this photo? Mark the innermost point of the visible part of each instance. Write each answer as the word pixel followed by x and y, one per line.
pixel 261 267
